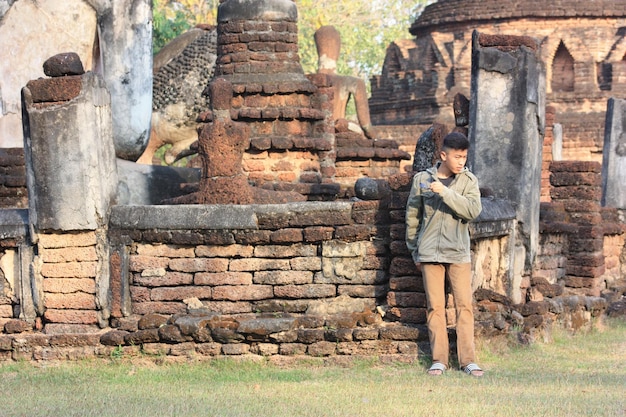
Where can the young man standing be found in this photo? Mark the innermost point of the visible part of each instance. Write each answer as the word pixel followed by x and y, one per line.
pixel 442 202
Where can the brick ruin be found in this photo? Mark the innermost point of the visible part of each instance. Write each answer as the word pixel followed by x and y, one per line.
pixel 582 45
pixel 330 277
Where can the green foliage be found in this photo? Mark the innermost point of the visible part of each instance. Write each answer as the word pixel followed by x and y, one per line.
pixel 165 28
pixel 171 18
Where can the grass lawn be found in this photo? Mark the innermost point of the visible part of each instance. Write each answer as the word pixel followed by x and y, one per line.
pixel 574 375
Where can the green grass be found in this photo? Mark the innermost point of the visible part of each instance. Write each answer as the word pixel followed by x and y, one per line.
pixel 574 375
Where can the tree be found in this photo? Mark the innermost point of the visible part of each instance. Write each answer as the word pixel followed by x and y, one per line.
pixel 366 28
pixel 171 18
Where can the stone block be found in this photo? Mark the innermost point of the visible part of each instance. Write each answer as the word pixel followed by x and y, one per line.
pixel 292 349
pixel 142 336
pixel 209 349
pixel 322 348
pixel 403 333
pixel 235 349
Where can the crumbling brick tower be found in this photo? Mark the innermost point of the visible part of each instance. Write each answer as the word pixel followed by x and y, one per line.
pixel 291 129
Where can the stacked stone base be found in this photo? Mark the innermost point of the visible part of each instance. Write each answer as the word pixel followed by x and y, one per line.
pixel 199 335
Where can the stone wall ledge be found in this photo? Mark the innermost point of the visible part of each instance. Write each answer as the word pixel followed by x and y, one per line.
pixel 221 217
pixel 496 219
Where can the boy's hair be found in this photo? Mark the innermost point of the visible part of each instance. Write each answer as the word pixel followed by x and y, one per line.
pixel 455 140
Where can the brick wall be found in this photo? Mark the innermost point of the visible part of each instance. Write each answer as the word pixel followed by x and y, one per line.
pixel 13 192
pixel 575 212
pixel 318 279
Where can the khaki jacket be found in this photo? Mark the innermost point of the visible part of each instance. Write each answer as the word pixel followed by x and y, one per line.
pixel 437 226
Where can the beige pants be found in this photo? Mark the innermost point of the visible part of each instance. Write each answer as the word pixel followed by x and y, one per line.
pixel 460 277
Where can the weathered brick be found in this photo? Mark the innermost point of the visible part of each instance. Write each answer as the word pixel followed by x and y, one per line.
pixel 564 179
pixel 406 283
pixel 72 254
pixel 257 264
pixel 170 279
pixel 241 293
pixel 69 285
pixel 139 294
pixel 292 349
pixel 318 233
pixel 283 277
pixel 222 278
pixel 67 240
pixel 585 271
pixel 406 299
pixel 362 291
pixel 71 316
pixel 180 293
pixel 168 251
pixel 199 264
pixel 309 263
pixel 6 311
pixel 159 307
pixel 285 251
pixel 306 291
pixel 408 315
pixel 230 251
pixel 235 348
pixel 229 307
pixel 139 263
pixel 286 236
pixel 69 270
pixel 322 348
pixel 402 266
pixel 77 301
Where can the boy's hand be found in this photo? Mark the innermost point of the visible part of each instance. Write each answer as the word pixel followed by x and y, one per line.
pixel 437 187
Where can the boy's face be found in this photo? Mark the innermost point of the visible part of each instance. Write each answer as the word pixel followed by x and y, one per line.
pixel 453 160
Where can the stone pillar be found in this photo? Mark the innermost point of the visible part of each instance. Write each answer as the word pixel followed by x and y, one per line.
pixel 72 180
pixel 124 58
pixel 614 156
pixel 507 126
pixel 70 161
